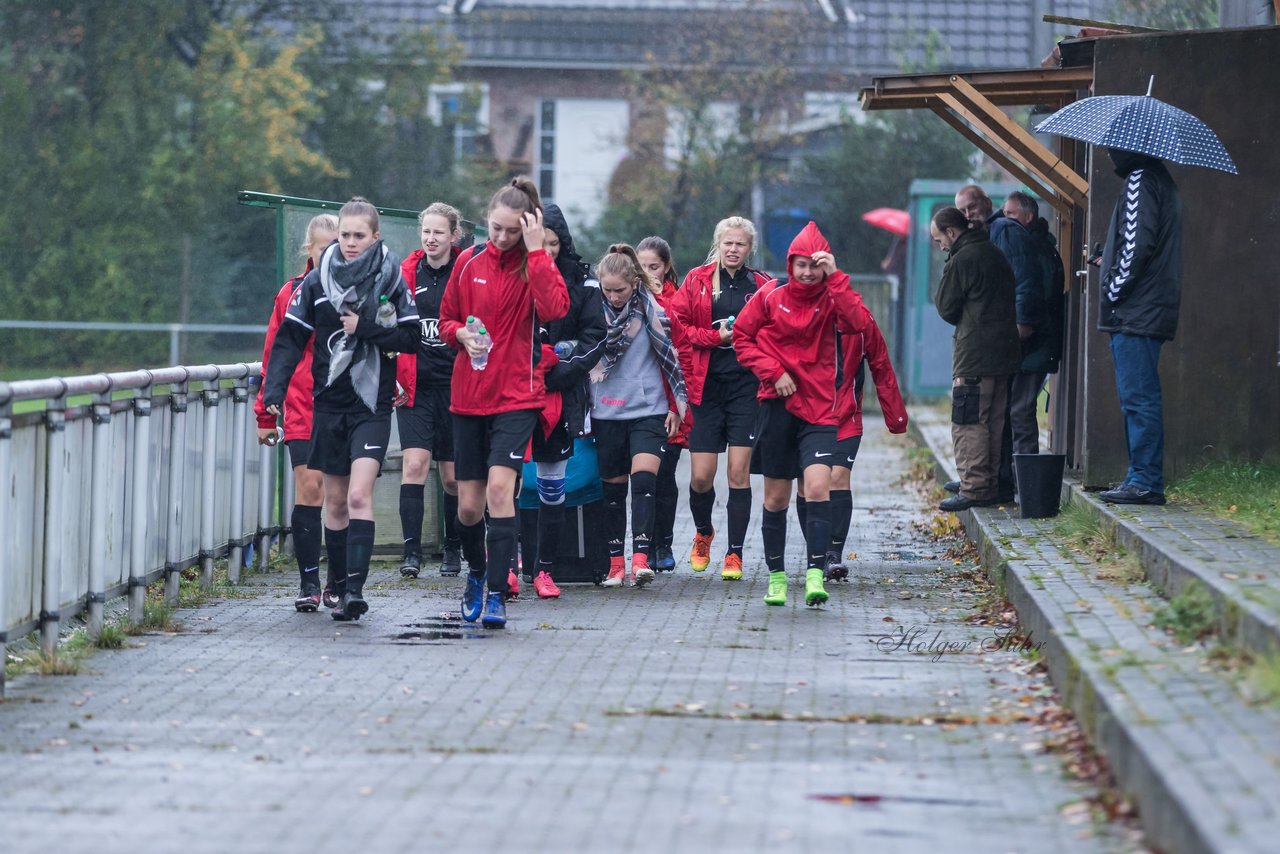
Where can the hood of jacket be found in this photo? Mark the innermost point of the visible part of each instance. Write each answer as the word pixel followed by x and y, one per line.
pixel 1126 161
pixel 807 242
pixel 568 261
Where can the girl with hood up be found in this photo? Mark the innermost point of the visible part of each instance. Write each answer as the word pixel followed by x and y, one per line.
pixel 786 335
pixel 721 389
pixel 638 404
pixel 508 284
pixel 308 482
pixel 655 257
pixel 576 339
pixel 339 307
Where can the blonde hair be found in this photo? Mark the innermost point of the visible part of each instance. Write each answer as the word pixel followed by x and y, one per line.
pixel 449 212
pixel 621 261
pixel 722 228
pixel 319 222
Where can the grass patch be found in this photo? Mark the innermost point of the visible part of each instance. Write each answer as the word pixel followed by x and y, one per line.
pixel 1189 616
pixel 1092 536
pixel 112 636
pixel 66 660
pixel 157 616
pixel 1248 493
pixel 1262 681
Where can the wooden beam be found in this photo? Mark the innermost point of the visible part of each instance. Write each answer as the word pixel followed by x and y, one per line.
pixel 1001 156
pixel 1038 157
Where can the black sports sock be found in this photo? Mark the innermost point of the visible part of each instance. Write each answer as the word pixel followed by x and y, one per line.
pixel 841 513
pixel 615 516
pixel 643 486
pixel 451 538
pixel 773 532
pixel 359 551
pixel 739 513
pixel 665 497
pixel 817 534
pixel 336 545
pixel 306 544
pixel 801 506
pixel 501 540
pixel 472 537
pixel 700 504
pixel 550 523
pixel 411 508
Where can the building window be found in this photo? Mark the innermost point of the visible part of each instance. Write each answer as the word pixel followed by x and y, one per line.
pixel 464 107
pixel 547 150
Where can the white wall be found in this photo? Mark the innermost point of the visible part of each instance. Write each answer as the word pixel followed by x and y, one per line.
pixel 590 142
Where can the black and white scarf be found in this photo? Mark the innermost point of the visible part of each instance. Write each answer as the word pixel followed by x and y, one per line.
pixel 642 311
pixel 356 286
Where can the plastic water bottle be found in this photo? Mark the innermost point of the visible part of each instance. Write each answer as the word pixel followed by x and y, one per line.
pixel 565 349
pixel 277 438
pixel 386 312
pixel 479 363
pixel 728 324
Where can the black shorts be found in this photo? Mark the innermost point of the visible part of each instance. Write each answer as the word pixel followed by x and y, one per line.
pixel 726 416
pixel 787 445
pixel 483 441
pixel 847 451
pixel 337 438
pixel 299 452
pixel 428 424
pixel 554 448
pixel 618 441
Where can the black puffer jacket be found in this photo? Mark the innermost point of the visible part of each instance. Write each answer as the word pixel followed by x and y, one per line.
pixel 1042 352
pixel 583 324
pixel 1142 259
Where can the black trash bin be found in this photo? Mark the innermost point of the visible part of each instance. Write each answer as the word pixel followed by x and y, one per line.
pixel 1039 483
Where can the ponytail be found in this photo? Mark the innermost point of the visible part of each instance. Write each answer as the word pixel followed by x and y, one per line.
pixel 521 195
pixel 621 260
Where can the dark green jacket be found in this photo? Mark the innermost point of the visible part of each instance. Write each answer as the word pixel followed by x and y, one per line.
pixel 977 297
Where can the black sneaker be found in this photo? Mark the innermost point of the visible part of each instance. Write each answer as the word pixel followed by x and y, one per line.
pixel 308 602
pixel 411 566
pixel 1127 493
pixel 451 563
pixel 835 569
pixel 956 503
pixel 664 560
pixel 331 598
pixel 952 486
pixel 352 608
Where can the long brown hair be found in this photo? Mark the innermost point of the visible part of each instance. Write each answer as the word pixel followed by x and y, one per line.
pixel 662 249
pixel 521 195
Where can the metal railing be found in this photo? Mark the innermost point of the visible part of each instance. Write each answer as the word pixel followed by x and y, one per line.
pixel 101 496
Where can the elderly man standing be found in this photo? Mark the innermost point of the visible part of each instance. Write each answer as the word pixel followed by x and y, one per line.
pixel 1141 291
pixel 1041 351
pixel 977 297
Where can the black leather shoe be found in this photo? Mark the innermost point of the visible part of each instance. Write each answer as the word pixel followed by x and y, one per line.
pixel 1127 493
pixel 952 486
pixel 956 503
pixel 411 566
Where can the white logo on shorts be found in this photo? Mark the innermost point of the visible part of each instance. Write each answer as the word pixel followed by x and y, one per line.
pixel 821 454
pixel 516 456
pixel 369 447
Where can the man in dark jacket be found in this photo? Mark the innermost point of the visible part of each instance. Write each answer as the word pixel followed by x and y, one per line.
pixel 1014 241
pixel 1141 288
pixel 977 297
pixel 1041 351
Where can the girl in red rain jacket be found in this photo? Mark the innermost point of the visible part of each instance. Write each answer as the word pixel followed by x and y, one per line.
pixel 655 257
pixel 787 336
pixel 423 417
pixel 509 284
pixel 721 389
pixel 308 482
pixel 857 351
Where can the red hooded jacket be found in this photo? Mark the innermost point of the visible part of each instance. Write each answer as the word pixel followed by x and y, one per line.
pixel 791 329
pixel 684 352
pixel 692 306
pixel 869 344
pixel 487 284
pixel 298 401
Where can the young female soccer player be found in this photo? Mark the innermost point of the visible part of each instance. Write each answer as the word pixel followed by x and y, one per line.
pixel 787 336
pixel 655 257
pixel 639 401
pixel 308 482
pixel 357 310
pixel 576 338
pixel 426 426
pixel 721 390
pixel 508 284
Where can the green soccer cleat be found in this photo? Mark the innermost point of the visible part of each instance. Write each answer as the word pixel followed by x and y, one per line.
pixel 814 592
pixel 777 594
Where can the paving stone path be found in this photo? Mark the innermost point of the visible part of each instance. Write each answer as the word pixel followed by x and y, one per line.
pixel 683 717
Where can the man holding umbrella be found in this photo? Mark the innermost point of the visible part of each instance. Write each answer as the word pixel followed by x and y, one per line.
pixel 1141 289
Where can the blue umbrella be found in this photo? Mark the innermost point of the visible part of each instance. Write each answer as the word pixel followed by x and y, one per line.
pixel 1143 124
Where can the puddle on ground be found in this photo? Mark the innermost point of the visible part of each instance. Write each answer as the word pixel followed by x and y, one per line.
pixel 447 627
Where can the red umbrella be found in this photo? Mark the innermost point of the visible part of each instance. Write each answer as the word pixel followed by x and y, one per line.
pixel 890 219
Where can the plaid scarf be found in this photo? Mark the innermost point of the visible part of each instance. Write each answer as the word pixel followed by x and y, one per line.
pixel 355 286
pixel 642 311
